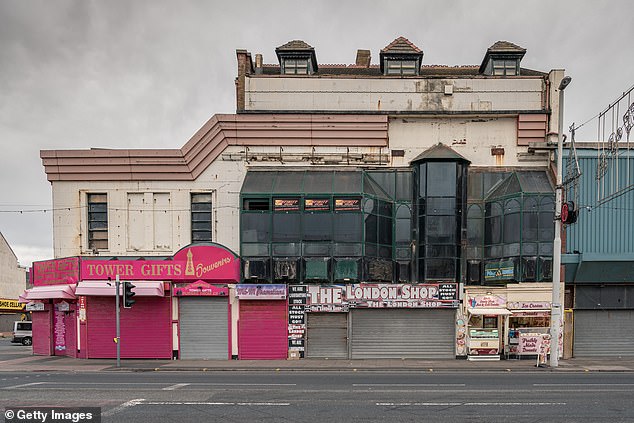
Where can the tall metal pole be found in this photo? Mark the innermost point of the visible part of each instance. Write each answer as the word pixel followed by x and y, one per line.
pixel 118 334
pixel 555 312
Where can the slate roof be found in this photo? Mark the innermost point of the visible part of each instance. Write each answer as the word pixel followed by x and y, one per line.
pixel 401 45
pixel 375 71
pixel 502 48
pixel 440 152
pixel 295 45
pixel 505 47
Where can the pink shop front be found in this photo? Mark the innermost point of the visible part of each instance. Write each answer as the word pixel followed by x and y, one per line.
pixel 177 299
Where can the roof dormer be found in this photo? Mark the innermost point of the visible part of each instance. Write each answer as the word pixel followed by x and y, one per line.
pixel 401 58
pixel 502 59
pixel 296 58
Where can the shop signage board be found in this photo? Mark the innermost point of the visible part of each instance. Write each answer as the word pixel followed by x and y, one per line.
pixel 347 204
pixel 317 204
pixel 206 262
pixel 296 315
pixel 10 305
pixel 297 345
pixel 338 298
pixel 81 302
pixel 501 271
pixel 534 343
pixel 286 204
pixel 35 306
pixel 529 305
pixel 486 301
pixel 200 289
pixel 261 292
pixel 523 313
pixel 297 318
pixel 62 306
pixel 60 330
pixel 63 271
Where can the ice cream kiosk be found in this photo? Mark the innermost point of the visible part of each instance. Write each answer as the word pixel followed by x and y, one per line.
pixel 487 314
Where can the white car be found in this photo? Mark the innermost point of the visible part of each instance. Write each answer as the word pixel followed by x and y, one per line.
pixel 22 333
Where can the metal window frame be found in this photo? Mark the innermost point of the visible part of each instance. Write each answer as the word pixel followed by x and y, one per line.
pixel 89 219
pixel 192 196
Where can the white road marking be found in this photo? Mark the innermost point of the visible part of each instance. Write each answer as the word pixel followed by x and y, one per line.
pixel 410 384
pixel 259 404
pixel 246 384
pixel 173 387
pixel 469 404
pixel 23 385
pixel 163 383
pixel 583 384
pixel 122 407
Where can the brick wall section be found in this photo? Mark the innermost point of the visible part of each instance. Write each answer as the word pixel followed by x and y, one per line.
pixel 245 67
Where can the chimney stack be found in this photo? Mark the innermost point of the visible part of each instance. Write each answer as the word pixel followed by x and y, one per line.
pixel 363 58
pixel 258 63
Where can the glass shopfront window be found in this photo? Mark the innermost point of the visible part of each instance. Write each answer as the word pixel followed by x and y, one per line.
pixel 329 216
pixel 441 204
pixel 519 212
pixel 256 227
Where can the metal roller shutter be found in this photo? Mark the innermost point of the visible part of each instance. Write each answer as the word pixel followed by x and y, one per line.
pixel 263 330
pixel 603 333
pixel 204 328
pixel 327 335
pixel 402 333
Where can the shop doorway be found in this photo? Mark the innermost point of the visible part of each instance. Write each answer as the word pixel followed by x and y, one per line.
pixel 204 328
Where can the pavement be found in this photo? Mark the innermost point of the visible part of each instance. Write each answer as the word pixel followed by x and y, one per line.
pixel 18 358
pixel 33 363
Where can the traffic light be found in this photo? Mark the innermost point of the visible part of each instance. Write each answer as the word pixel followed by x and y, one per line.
pixel 568 213
pixel 128 294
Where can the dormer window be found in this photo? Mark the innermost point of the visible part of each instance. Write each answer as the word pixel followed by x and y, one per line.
pixel 401 58
pixel 296 58
pixel 295 66
pixel 502 59
pixel 401 67
pixel 507 67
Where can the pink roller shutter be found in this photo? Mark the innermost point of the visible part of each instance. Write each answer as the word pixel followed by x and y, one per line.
pixel 262 330
pixel 42 331
pixel 145 328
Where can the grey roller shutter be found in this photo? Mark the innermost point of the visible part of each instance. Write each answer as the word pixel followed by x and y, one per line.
pixel 327 335
pixel 403 333
pixel 603 333
pixel 203 328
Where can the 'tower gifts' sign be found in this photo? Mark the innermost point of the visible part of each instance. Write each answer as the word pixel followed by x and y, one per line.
pixel 207 262
pixel 56 272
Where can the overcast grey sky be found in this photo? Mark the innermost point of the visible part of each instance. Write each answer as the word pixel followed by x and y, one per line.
pixel 141 74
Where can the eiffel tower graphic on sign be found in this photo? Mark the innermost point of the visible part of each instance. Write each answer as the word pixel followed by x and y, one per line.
pixel 189 268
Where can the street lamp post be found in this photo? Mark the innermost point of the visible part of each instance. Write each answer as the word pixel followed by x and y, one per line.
pixel 555 311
